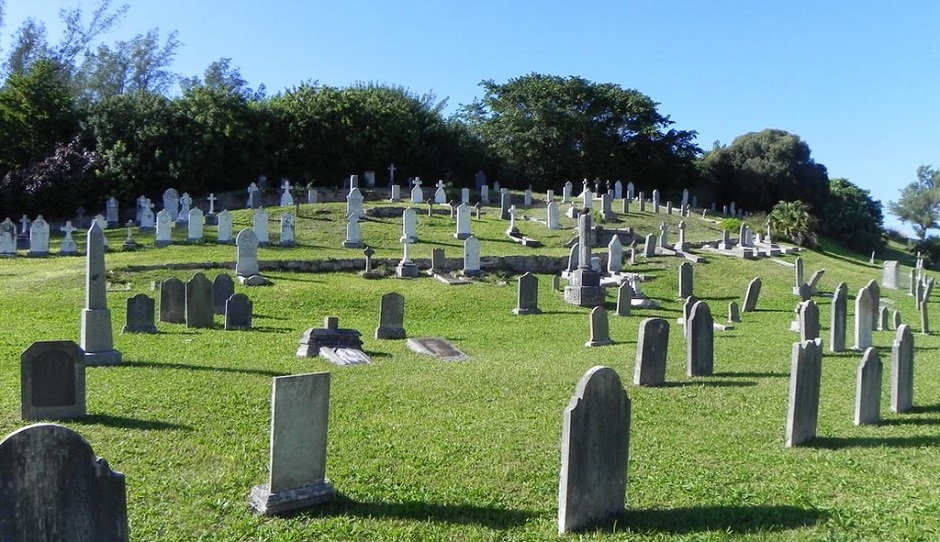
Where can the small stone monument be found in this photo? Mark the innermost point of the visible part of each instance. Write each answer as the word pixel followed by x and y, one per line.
pixel 96 338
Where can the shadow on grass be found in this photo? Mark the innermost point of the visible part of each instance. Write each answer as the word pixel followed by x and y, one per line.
pixel 377 354
pixel 709 382
pixel 753 374
pixel 730 519
pixel 293 278
pixel 456 514
pixel 269 317
pixel 130 423
pixel 568 312
pixel 925 408
pixel 773 310
pixel 188 367
pixel 267 329
pixel 910 421
pixel 840 443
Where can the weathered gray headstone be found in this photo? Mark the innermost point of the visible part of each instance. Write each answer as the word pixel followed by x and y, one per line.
pixel 391 317
pixel 300 406
pixel 437 347
pixel 902 370
pixel 173 301
pixel 527 298
pixel 839 316
pixel 752 295
pixel 798 273
pixel 891 275
pixel 803 405
pixel 884 320
pixel 624 299
pixel 700 341
pixel 55 489
pixel 868 388
pixel 924 319
pixel 52 381
pixel 809 320
pixel 599 328
pixel 199 305
pixel 651 348
pixel 96 337
pixel 734 314
pixel 896 319
pixel 863 319
pixel 875 292
pixel 685 280
pixel 238 312
pixel 595 443
pixel 246 253
pixel 140 315
pixel 222 288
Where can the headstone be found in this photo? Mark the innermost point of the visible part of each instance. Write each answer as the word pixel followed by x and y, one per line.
pixel 222 288
pixel 395 195
pixel 164 235
pixel 440 195
pixel 875 292
pixel 238 311
pixel 912 284
pixel 56 489
pixel 902 370
pixel 259 223
pixel 211 199
pixel 246 253
pixel 471 256
pixel 224 231
pixel 649 246
pixel 924 319
pixel 551 216
pixel 140 310
pixel 391 317
pixel 566 192
pixel 485 195
pixel 527 197
pixel 584 287
pixel 803 404
pixel 287 230
pixel 505 202
pixel 417 195
pixel 624 299
pixel 681 245
pixel 463 221
pixel 655 201
pixel 839 316
pixel 409 227
pixel 300 406
pixel 685 280
pixel 96 338
pixel 406 267
pixel 798 273
pixel 111 212
pixel 147 218
pixel 595 442
pixel 68 246
pixel 587 200
pixel 614 255
pixel 527 299
pixel 465 196
pixel 890 277
pixel 809 320
pixel 195 227
pixel 354 203
pixel 39 238
pixel 625 206
pixel 599 328
pixel 199 303
pixel 641 200
pixel 171 204
pixel 630 190
pixel 884 322
pixel 618 190
pixel 173 301
pixel 333 342
pixel 868 388
pixel 52 383
pixel 254 196
pixel 185 206
pixel 353 233
pixel 668 207
pixel 651 348
pixel 700 341
pixel 437 347
pixel 863 319
pixel 752 295
pixel 287 198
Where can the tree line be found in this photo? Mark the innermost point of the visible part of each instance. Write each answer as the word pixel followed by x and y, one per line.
pixel 81 121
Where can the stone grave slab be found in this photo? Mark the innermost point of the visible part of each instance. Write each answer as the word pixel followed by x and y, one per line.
pixel 438 347
pixel 344 356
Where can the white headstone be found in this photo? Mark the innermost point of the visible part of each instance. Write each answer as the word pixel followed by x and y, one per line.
pixel 354 203
pixel 224 228
pixel 471 256
pixel 195 226
pixel 440 195
pixel 171 203
pixel 409 227
pixel 287 230
pixel 552 216
pixel 287 198
pixel 463 221
pixel 259 223
pixel 185 205
pixel 465 195
pixel 164 229
pixel 417 195
pixel 39 237
pixel 246 253
pixel 68 243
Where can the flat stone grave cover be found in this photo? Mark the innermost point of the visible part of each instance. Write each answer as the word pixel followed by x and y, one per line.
pixel 438 347
pixel 344 356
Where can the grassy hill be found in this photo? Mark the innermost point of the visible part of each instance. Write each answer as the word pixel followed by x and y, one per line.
pixel 425 450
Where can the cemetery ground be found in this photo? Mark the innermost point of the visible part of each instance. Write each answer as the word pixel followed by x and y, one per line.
pixel 421 449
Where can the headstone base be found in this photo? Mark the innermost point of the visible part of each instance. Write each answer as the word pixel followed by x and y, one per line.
pixel 108 357
pixel 390 333
pixel 37 254
pixel 604 342
pixel 344 356
pixel 162 244
pixel 461 236
pixel 519 311
pixel 139 329
pixel 584 296
pixel 471 272
pixel 253 280
pixel 406 270
pixel 353 244
pixel 264 502
pixel 288 244
pixel 212 220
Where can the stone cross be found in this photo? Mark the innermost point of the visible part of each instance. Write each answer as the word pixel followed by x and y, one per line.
pixel 25 223
pixel 417 181
pixel 252 190
pixel 391 173
pixel 440 184
pixel 68 228
pixel 130 225
pixel 368 253
pixel 286 186
pixel 212 199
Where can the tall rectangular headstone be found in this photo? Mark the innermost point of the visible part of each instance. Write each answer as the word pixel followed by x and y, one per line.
pixel 839 316
pixel 595 443
pixel 863 319
pixel 700 341
pixel 527 299
pixel 868 388
pixel 173 301
pixel 752 295
pixel 805 379
pixel 902 370
pixel 246 254
pixel 651 348
pixel 199 303
pixel 685 280
pixel 299 418
pixel 222 288
pixel 809 320
pixel 391 317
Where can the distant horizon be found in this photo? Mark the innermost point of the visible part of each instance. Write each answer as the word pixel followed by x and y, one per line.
pixel 855 81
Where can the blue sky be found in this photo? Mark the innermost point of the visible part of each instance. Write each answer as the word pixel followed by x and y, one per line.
pixel 857 80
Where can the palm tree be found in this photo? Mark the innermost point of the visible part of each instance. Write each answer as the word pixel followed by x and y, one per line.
pixel 792 220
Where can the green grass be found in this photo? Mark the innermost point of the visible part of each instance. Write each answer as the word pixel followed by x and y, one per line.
pixel 425 450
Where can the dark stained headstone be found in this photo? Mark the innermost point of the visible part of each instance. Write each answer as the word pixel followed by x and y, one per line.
pixel 700 341
pixel 651 348
pixel 140 315
pixel 173 301
pixel 839 315
pixel 868 388
pixel 624 298
pixel 238 312
pixel 595 444
pixel 875 290
pixel 599 328
pixel 52 381
pixel 734 314
pixel 54 488
pixel 199 305
pixel 527 299
pixel 685 280
pixel 223 286
pixel 805 379
pixel 391 317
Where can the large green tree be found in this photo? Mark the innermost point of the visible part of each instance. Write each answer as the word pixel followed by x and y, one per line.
pixel 852 217
pixel 759 169
pixel 919 204
pixel 549 129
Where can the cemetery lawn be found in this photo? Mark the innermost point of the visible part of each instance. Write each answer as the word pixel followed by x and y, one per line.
pixel 420 449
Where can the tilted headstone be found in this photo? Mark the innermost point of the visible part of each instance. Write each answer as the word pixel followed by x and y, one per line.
pixel 838 318
pixel 222 288
pixel 652 346
pixel 752 295
pixel 868 388
pixel 140 310
pixel 238 312
pixel 700 341
pixel 527 298
pixel 890 277
pixel 685 280
pixel 595 443
pixel 391 317
pixel 300 406
pixel 902 370
pixel 809 320
pixel 599 328
pixel 246 254
pixel 624 299
pixel 199 304
pixel 52 382
pixel 173 301
pixel 863 319
pixel 55 489
pixel 803 404
pixel 96 338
